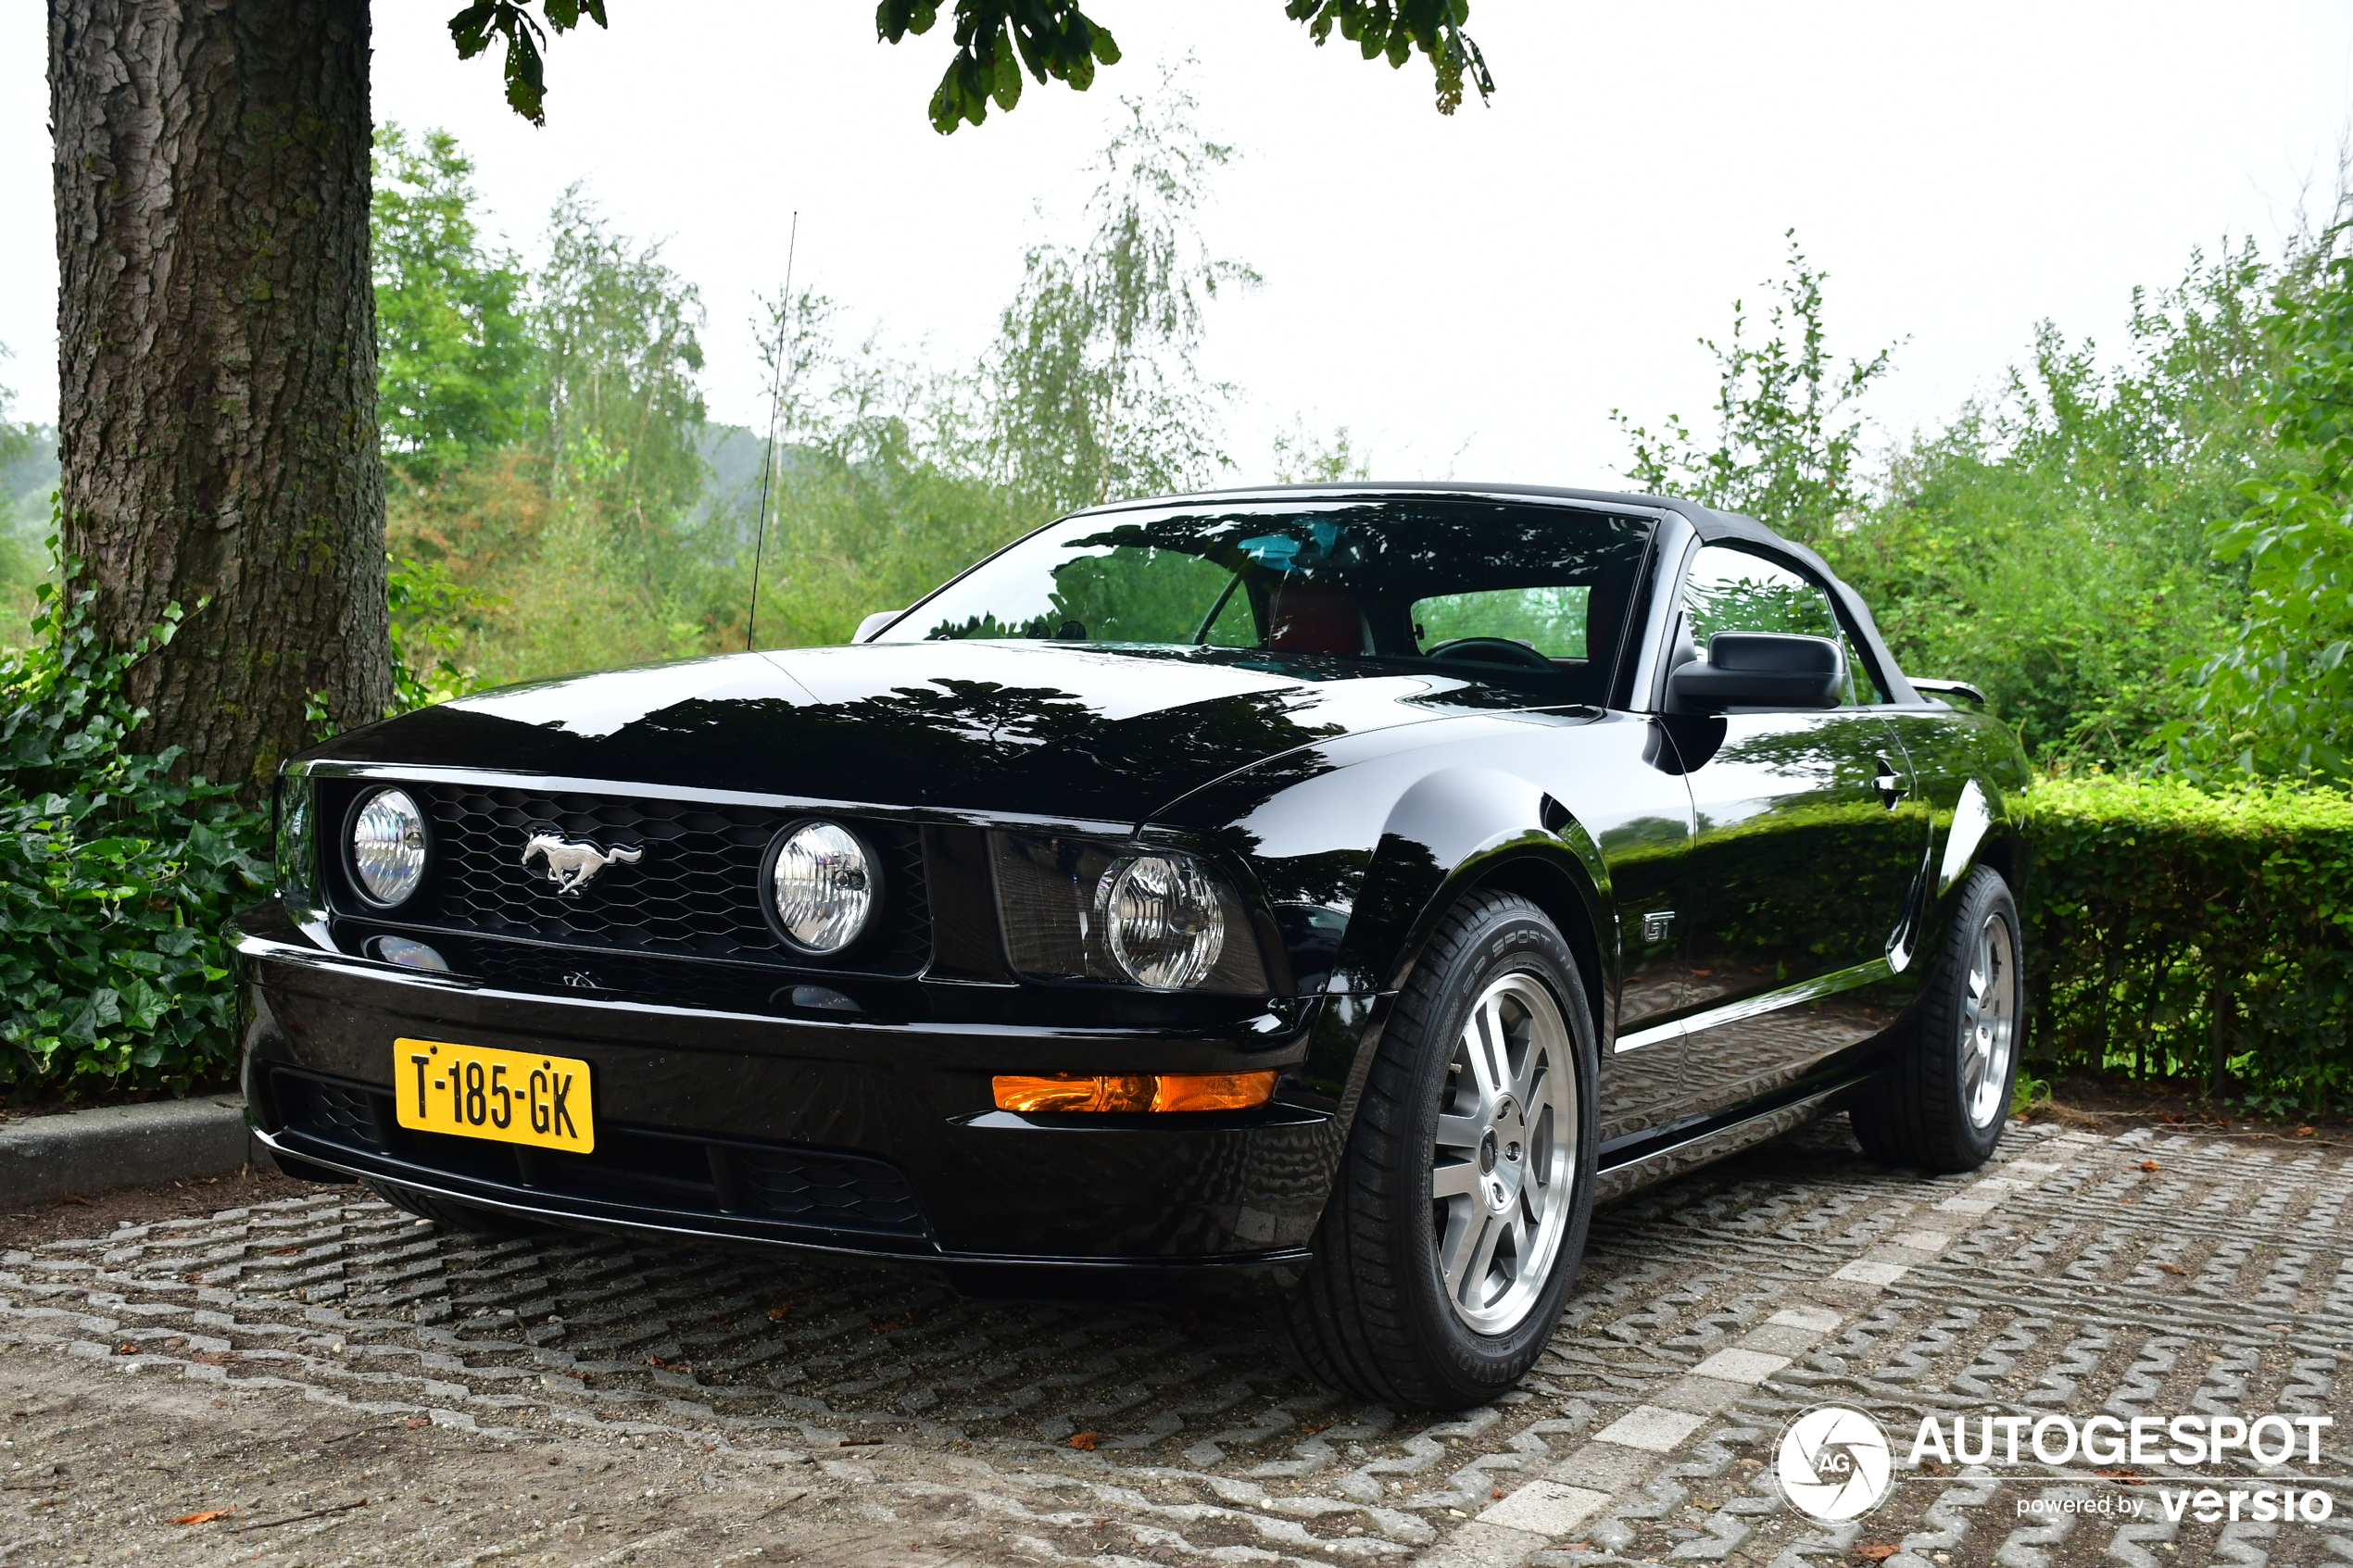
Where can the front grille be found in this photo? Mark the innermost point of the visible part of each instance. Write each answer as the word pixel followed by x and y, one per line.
pixel 694 892
pixel 674 1172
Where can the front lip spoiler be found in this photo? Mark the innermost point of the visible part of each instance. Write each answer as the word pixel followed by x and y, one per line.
pixel 763 1234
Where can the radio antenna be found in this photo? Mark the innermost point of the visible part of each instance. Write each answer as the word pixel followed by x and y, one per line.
pixel 768 464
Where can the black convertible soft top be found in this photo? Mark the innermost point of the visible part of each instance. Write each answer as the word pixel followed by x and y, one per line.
pixel 1711 526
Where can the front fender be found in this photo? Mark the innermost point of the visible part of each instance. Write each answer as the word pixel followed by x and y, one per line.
pixel 1360 852
pixel 1456 829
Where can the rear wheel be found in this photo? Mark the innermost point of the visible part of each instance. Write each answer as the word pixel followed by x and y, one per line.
pixel 1942 1105
pixel 1459 1217
pixel 449 1212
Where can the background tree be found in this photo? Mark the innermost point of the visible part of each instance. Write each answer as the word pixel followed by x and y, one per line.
pixel 452 355
pixel 892 477
pixel 1789 442
pixel 24 510
pixel 560 519
pixel 2049 542
pixel 2277 700
pixel 1094 395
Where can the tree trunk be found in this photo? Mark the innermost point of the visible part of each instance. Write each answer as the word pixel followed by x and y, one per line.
pixel 216 361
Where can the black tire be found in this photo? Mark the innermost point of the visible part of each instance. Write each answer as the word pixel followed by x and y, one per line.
pixel 449 1214
pixel 1372 1314
pixel 1929 1109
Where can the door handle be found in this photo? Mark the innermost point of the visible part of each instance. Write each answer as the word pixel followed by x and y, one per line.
pixel 1890 784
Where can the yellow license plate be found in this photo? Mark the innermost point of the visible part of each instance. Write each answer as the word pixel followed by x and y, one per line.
pixel 475 1092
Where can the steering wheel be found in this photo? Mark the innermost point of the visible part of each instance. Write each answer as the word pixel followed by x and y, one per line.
pixel 1492 650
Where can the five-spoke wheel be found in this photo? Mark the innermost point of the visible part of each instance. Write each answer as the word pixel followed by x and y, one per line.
pixel 1459 1216
pixel 1507 1136
pixel 1942 1102
pixel 1989 1020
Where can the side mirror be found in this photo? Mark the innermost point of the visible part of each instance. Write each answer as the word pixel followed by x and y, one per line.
pixel 875 623
pixel 1759 670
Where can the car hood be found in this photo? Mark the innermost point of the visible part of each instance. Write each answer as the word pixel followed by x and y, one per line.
pixel 1030 729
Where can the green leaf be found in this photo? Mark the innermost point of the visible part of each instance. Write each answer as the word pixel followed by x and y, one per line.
pixel 1005 75
pixel 471 27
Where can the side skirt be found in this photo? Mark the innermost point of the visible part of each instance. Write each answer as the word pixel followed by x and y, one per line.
pixel 1711 1145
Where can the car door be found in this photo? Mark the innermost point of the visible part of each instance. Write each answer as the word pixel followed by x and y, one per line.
pixel 1798 881
pixel 1628 798
pixel 1639 813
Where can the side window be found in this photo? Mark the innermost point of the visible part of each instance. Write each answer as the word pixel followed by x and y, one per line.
pixel 1729 590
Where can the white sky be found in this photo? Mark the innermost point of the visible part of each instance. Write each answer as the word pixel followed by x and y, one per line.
pixel 1471 295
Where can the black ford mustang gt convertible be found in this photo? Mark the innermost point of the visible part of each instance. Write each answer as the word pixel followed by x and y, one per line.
pixel 1338 889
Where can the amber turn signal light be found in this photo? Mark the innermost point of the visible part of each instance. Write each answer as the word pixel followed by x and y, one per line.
pixel 1135 1091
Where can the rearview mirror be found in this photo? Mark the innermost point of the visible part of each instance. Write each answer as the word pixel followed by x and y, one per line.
pixel 1759 670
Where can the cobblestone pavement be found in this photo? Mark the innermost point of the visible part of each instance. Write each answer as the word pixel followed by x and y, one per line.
pixel 2143 1274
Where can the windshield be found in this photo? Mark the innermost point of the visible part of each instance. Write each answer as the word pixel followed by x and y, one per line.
pixel 1534 592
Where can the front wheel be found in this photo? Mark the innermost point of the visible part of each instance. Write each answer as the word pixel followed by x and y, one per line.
pixel 1942 1104
pixel 1459 1217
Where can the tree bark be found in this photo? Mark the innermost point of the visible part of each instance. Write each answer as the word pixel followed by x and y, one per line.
pixel 217 362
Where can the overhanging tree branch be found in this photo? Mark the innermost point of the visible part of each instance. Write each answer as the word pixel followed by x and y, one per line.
pixel 474 27
pixel 1394 29
pixel 997 41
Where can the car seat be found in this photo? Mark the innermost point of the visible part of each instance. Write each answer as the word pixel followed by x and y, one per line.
pixel 1314 617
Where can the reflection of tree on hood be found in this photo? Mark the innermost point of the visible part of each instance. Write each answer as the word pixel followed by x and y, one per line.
pixel 1002 718
pixel 947 726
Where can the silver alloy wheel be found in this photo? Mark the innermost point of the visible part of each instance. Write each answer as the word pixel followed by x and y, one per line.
pixel 1989 1023
pixel 1505 1158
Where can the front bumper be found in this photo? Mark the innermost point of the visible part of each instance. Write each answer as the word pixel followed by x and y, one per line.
pixel 867 1138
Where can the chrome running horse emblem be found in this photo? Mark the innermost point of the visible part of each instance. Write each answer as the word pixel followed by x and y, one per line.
pixel 574 866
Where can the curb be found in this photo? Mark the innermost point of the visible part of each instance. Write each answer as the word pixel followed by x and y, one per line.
pixel 44 1158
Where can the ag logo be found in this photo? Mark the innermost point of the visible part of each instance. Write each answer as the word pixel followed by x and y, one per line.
pixel 1834 1463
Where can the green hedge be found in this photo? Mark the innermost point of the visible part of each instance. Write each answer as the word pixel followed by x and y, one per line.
pixel 115 879
pixel 2174 933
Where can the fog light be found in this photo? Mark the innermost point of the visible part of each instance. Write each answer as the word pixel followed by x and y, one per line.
pixel 412 955
pixel 1134 1091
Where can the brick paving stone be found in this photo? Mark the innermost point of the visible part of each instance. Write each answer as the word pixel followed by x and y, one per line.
pixel 1651 1427
pixel 1546 1508
pixel 1711 1310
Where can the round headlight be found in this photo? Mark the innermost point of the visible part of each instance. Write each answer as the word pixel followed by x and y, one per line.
pixel 824 886
pixel 388 847
pixel 1163 918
